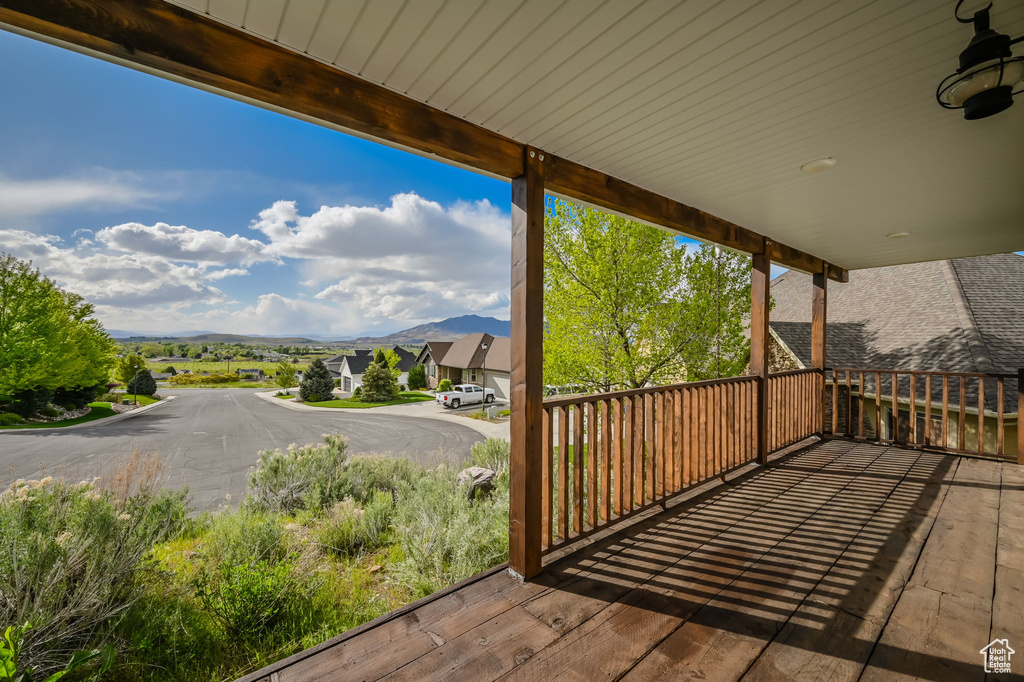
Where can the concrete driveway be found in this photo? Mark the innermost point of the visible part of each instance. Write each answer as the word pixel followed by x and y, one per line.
pixel 211 437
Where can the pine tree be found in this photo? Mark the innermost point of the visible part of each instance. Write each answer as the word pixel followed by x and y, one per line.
pixel 317 383
pixel 379 385
pixel 143 383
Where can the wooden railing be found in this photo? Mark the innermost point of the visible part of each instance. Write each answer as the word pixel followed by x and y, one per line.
pixel 611 455
pixel 933 410
pixel 793 412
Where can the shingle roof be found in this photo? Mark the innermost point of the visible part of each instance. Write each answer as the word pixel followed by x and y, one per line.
pixel 960 315
pixel 358 363
pixel 466 353
pixel 435 349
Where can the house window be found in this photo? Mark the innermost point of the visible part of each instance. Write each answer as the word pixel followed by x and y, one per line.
pixel 432 370
pixel 471 373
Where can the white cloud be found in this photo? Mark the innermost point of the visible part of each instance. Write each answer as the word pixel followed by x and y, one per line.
pixel 116 280
pixel 52 195
pixel 228 272
pixel 180 243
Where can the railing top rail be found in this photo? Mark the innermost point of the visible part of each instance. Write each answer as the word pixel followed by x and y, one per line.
pixel 597 397
pixel 806 370
pixel 919 371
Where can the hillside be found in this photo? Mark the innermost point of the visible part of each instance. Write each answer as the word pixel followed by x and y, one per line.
pixel 223 338
pixel 445 330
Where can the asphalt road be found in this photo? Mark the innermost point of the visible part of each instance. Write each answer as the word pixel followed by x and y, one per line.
pixel 209 438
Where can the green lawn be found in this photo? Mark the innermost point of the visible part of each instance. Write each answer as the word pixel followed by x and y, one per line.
pixel 220 366
pixel 143 399
pixel 405 398
pixel 284 397
pixel 230 384
pixel 99 411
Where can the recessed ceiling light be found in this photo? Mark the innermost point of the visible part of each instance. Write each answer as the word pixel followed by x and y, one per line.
pixel 897 235
pixel 818 165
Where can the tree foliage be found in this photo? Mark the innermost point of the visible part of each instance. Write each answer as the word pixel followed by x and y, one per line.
pixel 285 375
pixel 48 338
pixel 127 367
pixel 626 305
pixel 417 377
pixel 142 383
pixel 379 383
pixel 317 382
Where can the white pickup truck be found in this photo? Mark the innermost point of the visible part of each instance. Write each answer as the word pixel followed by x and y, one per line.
pixel 464 394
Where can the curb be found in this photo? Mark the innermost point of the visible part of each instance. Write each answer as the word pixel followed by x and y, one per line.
pixel 97 422
pixel 479 427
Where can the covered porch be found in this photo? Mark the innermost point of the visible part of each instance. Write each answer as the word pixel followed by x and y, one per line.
pixel 669 532
pixel 839 560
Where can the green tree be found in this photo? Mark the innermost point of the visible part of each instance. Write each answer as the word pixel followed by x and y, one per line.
pixel 127 367
pixel 48 339
pixel 142 383
pixel 285 375
pixel 625 305
pixel 317 383
pixel 417 377
pixel 379 384
pixel 391 359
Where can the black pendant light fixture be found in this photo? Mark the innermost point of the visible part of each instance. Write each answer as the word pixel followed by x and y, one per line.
pixel 989 75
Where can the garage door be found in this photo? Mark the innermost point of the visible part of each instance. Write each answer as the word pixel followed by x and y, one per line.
pixel 499 383
pixel 347 384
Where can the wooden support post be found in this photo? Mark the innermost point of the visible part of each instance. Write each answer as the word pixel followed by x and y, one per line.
pixel 760 294
pixel 819 315
pixel 525 498
pixel 1020 412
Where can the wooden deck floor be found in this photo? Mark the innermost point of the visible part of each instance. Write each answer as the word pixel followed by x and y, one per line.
pixel 845 561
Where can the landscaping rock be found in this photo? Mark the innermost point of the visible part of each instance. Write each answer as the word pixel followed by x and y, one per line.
pixel 477 479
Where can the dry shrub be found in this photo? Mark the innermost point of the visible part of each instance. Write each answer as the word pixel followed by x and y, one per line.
pixel 135 475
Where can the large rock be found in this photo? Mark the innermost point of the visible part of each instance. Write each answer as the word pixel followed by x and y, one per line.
pixel 477 479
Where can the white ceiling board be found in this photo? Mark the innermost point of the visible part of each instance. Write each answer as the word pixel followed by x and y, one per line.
pixel 715 103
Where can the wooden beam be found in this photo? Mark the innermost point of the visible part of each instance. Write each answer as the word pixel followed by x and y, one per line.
pixel 186 46
pixel 573 180
pixel 527 398
pixel 819 316
pixel 760 290
pixel 1020 416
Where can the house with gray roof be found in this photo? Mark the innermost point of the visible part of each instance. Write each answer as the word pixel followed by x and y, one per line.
pixel 350 368
pixel 959 315
pixel 480 359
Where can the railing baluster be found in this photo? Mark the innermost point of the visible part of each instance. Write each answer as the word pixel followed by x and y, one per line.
pixel 981 415
pixel 578 457
pixel 606 461
pixel 895 408
pixel 650 456
pixel 546 475
pixel 618 443
pixel 563 472
pixel 592 462
pixel 945 411
pixel 962 427
pixel 878 406
pixel 1000 398
pixel 913 408
pixel 848 430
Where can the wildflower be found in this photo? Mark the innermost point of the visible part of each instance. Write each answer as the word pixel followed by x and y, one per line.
pixel 124 516
pixel 46 481
pixel 228 496
pixel 64 538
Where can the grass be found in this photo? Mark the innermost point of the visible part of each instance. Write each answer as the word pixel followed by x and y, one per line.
pixel 284 397
pixel 219 366
pixel 142 399
pixel 99 411
pixel 230 384
pixel 405 398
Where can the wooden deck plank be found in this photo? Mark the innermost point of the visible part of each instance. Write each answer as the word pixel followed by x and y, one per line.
pixel 936 628
pixel 1008 601
pixel 856 596
pixel 726 635
pixel 612 573
pixel 704 557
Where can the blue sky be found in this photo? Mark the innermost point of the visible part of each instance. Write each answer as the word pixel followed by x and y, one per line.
pixel 173 209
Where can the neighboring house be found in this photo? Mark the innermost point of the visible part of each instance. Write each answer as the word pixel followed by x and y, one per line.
pixel 350 368
pixel 254 373
pixel 430 357
pixel 479 359
pixel 961 315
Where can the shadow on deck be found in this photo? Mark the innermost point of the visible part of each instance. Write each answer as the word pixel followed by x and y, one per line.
pixel 843 561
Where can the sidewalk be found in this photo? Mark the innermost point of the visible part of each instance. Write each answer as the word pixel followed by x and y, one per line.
pixel 422 410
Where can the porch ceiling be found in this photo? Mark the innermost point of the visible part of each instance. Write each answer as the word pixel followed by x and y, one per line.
pixel 714 104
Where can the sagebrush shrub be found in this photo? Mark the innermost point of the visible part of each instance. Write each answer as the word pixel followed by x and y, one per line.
pixel 71 561
pixel 493 453
pixel 237 537
pixel 306 477
pixel 366 475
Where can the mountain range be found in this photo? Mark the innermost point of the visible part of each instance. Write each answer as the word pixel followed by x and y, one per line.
pixel 444 330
